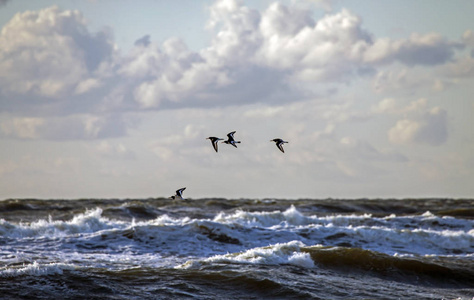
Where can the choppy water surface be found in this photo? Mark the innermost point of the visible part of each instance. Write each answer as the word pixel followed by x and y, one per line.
pixel 237 249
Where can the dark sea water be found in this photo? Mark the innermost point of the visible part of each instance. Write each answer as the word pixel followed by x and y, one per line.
pixel 237 249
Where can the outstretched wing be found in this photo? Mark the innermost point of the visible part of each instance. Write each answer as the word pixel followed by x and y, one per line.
pixel 214 141
pixel 180 192
pixel 280 146
pixel 214 144
pixel 231 135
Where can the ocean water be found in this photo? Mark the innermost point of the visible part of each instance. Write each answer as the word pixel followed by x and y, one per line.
pixel 237 249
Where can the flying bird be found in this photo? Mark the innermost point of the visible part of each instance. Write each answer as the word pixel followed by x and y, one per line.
pixel 279 143
pixel 214 141
pixel 230 139
pixel 179 194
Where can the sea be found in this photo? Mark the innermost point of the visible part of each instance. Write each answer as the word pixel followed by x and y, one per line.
pixel 237 249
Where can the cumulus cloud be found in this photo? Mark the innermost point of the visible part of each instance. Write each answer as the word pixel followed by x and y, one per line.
pixel 51 60
pixel 430 128
pixel 51 52
pixel 429 49
pixel 461 68
pixel 283 46
pixel 47 53
pixel 419 123
pixel 327 50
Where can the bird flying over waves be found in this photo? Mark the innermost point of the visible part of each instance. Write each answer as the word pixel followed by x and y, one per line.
pixel 179 194
pixel 214 141
pixel 230 139
pixel 279 143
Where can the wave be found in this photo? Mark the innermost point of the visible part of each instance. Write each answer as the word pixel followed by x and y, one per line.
pixel 90 221
pixel 350 259
pixel 281 253
pixel 353 260
pixel 35 269
pixel 230 232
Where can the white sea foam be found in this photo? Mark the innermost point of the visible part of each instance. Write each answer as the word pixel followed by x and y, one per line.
pixel 36 269
pixel 264 219
pixel 278 254
pixel 238 231
pixel 88 222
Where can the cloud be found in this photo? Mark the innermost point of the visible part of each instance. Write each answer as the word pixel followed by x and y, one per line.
pixel 327 5
pixel 3 2
pixel 143 41
pixel 48 52
pixel 460 69
pixel 420 123
pixel 398 81
pixel 429 49
pixel 282 46
pixel 392 106
pixel 430 128
pixel 114 151
pixel 51 65
pixel 468 38
pixel 325 50
pixel 362 150
pixel 64 128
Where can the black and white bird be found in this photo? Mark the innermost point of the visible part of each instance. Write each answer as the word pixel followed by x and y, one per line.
pixel 279 143
pixel 230 139
pixel 179 194
pixel 214 141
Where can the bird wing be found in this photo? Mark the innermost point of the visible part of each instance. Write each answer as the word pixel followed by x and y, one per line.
pixel 231 135
pixel 280 146
pixel 214 144
pixel 180 192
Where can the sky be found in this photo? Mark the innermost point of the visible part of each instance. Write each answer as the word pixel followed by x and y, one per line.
pixel 115 99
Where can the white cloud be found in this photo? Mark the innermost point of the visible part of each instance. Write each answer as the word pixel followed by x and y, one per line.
pixel 468 38
pixel 87 85
pixel 265 112
pixel 405 81
pixel 429 49
pixel 325 4
pixel 283 46
pixel 395 107
pixel 48 52
pixel 429 128
pixel 58 54
pixel 24 128
pixel 328 50
pixel 280 55
pixel 114 150
pixel 404 131
pixel 461 68
pixel 356 149
pixel 420 123
pixel 64 128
